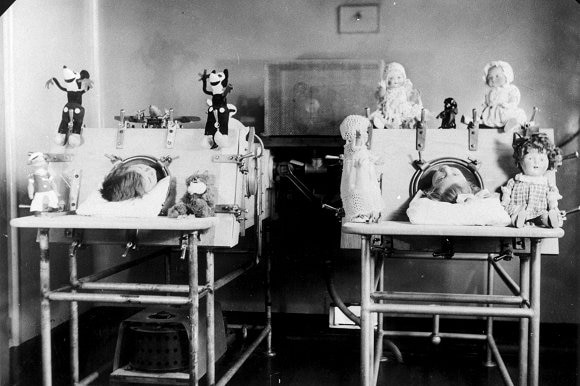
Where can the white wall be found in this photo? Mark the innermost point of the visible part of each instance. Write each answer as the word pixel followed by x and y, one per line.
pixel 150 52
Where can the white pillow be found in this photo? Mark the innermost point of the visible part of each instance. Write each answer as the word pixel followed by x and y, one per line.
pixel 481 211
pixel 147 206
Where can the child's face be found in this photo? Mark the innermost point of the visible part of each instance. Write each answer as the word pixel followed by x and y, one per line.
pixel 148 174
pixel 446 176
pixel 535 163
pixel 395 79
pixel 496 77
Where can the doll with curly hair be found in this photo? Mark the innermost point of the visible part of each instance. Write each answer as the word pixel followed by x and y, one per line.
pixel 530 197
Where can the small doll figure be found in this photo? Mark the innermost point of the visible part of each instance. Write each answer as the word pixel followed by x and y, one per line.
pixel 447 116
pixel 42 188
pixel 449 184
pixel 359 186
pixel 502 98
pixel 128 182
pixel 199 199
pixel 73 113
pixel 219 111
pixel 530 197
pixel 399 103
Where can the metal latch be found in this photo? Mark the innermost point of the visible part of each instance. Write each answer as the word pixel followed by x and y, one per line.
pixel 473 131
pixel 121 130
pixel 231 209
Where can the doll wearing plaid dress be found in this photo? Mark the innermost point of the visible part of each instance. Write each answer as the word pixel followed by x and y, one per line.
pixel 530 197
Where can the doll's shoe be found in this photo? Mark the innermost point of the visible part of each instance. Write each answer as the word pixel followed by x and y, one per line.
pixel 207 142
pixel 554 219
pixel 75 140
pixel 519 219
pixel 511 125
pixel 220 139
pixel 60 139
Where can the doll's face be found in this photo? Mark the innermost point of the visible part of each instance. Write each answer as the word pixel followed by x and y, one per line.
pixel 496 77
pixel 446 176
pixel 395 79
pixel 535 163
pixel 148 174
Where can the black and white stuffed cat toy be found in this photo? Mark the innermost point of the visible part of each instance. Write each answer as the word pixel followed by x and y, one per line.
pixel 219 111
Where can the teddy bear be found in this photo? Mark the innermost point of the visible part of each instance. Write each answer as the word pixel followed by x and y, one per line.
pixel 219 110
pixel 199 200
pixel 73 113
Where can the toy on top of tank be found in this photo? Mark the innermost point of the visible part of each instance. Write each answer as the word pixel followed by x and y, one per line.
pixel 502 98
pixel 399 103
pixel 73 113
pixel 448 114
pixel 42 189
pixel 219 110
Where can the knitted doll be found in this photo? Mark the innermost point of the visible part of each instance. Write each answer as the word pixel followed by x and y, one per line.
pixel 449 184
pixel 42 188
pixel 530 197
pixel 502 98
pixel 359 186
pixel 399 103
pixel 73 113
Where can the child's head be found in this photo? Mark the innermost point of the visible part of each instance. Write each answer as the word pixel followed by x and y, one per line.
pixel 535 155
pixel 498 73
pixel 395 75
pixel 127 182
pixel 448 183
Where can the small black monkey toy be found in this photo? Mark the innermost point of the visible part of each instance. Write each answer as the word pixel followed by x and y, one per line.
pixel 447 116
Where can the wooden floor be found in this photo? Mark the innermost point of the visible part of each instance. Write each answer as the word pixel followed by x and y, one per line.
pixel 310 353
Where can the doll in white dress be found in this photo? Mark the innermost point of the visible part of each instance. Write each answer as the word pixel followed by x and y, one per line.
pixel 502 98
pixel 399 103
pixel 359 185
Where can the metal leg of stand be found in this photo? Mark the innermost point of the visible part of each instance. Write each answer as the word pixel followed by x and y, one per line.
pixel 524 322
pixel 268 301
pixel 74 315
pixel 534 333
pixel 45 307
pixel 489 328
pixel 209 276
pixel 366 324
pixel 193 308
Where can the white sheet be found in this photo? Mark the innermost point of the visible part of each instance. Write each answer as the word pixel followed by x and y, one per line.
pixel 147 206
pixel 481 211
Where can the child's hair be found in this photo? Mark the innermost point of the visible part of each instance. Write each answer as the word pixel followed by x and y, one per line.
pixel 540 142
pixel 452 192
pixel 122 183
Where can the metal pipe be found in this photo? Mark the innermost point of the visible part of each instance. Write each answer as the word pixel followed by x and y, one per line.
pixel 509 282
pixel 524 323
pixel 45 307
pixel 210 326
pixel 121 267
pixel 380 285
pixel 11 181
pixel 425 334
pixel 534 333
pixel 117 298
pixel 94 375
pixel 193 302
pixel 366 322
pixel 499 360
pixel 142 287
pixel 489 322
pixel 429 256
pixel 450 310
pixel 443 297
pixel 378 354
pixel 245 355
pixel 233 275
pixel 268 301
pixel 74 314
